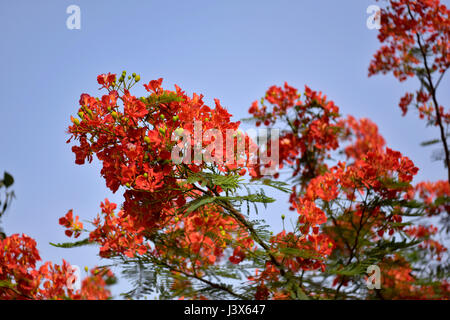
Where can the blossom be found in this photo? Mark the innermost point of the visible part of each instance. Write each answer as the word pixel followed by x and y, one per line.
pixel 19 259
pixel 73 226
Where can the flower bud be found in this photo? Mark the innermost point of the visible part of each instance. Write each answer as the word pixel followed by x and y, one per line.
pixel 114 114
pixel 137 78
pixel 147 139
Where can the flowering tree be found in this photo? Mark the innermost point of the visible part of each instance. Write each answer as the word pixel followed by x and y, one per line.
pixel 183 232
pixel 193 184
pixel 365 207
pixel 416 43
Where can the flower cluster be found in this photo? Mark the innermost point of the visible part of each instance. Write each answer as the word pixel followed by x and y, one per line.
pixel 425 233
pixel 181 215
pixel 340 207
pixel 415 37
pixel 363 136
pixel 313 128
pixel 74 227
pixel 21 278
pixel 134 143
pixel 434 194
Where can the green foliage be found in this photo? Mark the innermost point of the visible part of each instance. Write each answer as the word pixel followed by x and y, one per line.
pixel 11 286
pixel 386 247
pixel 300 253
pixel 143 279
pixel 443 200
pixel 199 202
pixel 280 185
pixel 155 100
pixel 353 269
pixel 430 142
pixel 80 243
pixel 6 182
pixel 229 183
pixel 250 198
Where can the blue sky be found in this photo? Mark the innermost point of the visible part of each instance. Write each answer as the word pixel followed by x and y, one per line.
pixel 231 50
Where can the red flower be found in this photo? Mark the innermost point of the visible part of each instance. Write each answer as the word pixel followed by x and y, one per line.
pixel 238 256
pixel 106 80
pixel 73 226
pixel 154 85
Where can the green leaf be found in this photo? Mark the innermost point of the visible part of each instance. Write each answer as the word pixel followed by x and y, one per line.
pixel 197 203
pixel 429 142
pixel 305 254
pixel 442 200
pixel 7 284
pixel 257 197
pixel 228 182
pixel 72 244
pixel 394 184
pixel 165 97
pixel 8 179
pixel 280 185
pixel 354 269
pixel 386 247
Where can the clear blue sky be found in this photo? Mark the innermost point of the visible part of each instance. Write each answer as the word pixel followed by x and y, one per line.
pixel 231 50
